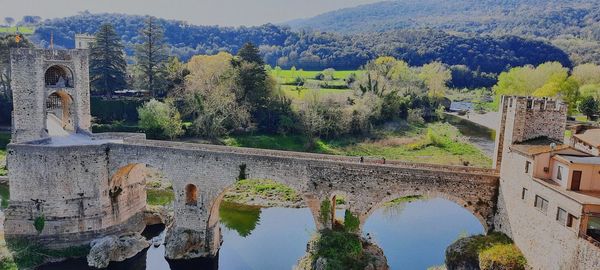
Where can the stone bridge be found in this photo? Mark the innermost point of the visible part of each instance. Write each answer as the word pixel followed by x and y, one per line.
pixel 85 190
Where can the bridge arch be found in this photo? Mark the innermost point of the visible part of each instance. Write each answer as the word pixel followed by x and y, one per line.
pixel 126 191
pixel 428 194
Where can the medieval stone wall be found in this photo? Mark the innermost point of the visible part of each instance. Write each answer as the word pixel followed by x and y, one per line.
pixel 67 187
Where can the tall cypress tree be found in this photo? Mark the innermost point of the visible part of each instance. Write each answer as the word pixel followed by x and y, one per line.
pixel 151 57
pixel 107 61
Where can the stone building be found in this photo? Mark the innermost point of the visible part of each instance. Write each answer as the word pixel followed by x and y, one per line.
pixel 83 41
pixel 549 200
pixel 586 138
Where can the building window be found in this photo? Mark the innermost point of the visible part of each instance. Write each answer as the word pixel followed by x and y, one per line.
pixel 541 204
pixel 523 194
pixel 559 173
pixel 561 216
pixel 527 165
pixel 570 220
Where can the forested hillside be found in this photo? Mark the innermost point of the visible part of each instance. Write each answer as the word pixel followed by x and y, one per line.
pixel 574 25
pixel 317 50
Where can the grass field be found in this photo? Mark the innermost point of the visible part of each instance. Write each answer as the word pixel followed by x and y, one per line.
pixel 335 88
pixel 26 30
pixel 435 143
pixel 292 74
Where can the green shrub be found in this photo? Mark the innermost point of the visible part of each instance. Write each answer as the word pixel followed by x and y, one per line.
pixel 160 119
pixel 351 222
pixel 343 251
pixel 39 223
pixel 502 256
pixel 325 211
pixel 108 111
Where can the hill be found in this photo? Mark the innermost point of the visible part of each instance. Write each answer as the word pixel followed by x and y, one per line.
pixel 282 46
pixel 573 25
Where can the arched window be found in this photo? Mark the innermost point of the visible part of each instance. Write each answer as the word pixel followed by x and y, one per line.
pixel 191 194
pixel 59 77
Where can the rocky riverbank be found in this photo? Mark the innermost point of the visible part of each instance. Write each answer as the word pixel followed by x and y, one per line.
pixel 494 251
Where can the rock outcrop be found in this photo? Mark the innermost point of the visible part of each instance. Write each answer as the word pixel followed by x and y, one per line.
pixel 113 248
pixel 182 243
pixel 460 256
pixel 377 260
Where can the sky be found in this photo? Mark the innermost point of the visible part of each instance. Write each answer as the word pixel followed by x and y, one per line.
pixel 201 12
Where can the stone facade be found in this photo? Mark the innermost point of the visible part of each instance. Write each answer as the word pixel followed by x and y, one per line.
pixel 30 90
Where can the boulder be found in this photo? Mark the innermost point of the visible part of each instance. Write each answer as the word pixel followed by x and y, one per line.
pixel 182 243
pixel 460 256
pixel 113 248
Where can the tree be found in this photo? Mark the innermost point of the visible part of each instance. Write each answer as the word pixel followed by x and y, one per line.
pixel 435 75
pixel 587 74
pixel 250 53
pixel 107 61
pixel 31 20
pixel 210 96
pixel 589 106
pixel 160 119
pixel 9 21
pixel 176 72
pixel 151 56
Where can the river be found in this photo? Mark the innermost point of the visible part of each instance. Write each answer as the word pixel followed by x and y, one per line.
pixel 413 235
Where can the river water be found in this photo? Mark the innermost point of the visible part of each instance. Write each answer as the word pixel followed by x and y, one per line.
pixel 413 235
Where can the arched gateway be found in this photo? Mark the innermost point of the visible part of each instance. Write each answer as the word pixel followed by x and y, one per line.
pixel 93 188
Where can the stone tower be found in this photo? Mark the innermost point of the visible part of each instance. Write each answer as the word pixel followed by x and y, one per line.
pixel 526 118
pixel 50 93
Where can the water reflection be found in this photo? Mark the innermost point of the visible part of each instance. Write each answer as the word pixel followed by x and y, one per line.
pixel 414 235
pixel 239 217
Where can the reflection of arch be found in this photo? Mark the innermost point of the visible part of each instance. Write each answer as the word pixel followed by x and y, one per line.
pixel 58 110
pixel 472 208
pixel 58 76
pixel 191 194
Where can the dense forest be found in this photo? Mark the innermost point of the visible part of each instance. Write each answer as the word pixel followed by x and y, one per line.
pixel 284 47
pixel 572 25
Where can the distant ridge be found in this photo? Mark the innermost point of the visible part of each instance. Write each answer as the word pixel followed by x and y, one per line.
pixel 572 25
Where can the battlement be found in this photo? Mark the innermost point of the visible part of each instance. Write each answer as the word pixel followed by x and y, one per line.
pixel 526 118
pixel 534 103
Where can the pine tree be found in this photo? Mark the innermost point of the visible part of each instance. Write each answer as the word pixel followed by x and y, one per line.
pixel 107 61
pixel 151 57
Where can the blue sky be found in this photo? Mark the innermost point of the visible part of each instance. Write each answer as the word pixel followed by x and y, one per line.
pixel 205 12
